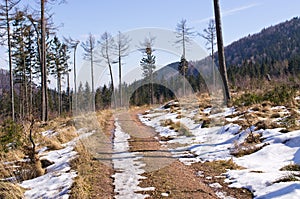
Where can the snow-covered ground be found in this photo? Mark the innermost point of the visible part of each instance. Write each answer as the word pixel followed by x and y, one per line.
pixel 57 181
pixel 262 174
pixel 127 166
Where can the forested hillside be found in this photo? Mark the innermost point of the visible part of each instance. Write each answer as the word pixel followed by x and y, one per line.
pixel 279 42
pixel 274 51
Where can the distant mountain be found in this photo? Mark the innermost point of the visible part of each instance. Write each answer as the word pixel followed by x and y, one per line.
pixel 280 42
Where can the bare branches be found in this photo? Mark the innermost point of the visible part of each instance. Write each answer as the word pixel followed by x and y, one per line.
pixel 147 45
pixel 71 43
pixel 183 32
pixel 122 44
pixel 210 35
pixel 89 46
pixel 108 46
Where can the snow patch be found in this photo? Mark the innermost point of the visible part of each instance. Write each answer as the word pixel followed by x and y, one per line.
pixel 58 180
pixel 128 167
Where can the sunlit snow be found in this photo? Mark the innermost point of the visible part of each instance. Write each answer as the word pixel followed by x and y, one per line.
pixel 262 169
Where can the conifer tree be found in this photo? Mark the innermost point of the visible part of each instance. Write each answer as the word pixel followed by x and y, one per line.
pixel 148 64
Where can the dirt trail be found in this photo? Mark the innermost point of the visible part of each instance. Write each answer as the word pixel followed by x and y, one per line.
pixel 165 173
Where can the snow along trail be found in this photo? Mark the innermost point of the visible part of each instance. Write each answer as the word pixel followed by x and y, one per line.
pixel 58 180
pixel 128 168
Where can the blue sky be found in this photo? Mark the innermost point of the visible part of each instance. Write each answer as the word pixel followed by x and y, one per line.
pixel 240 17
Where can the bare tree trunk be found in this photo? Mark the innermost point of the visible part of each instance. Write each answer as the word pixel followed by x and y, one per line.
pixel 11 75
pixel 59 93
pixel 43 65
pixel 93 88
pixel 68 92
pixel 221 54
pixel 120 79
pixel 212 60
pixel 75 80
pixel 31 93
pixel 112 84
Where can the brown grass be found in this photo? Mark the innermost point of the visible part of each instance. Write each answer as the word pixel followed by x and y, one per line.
pixel 249 146
pixel 10 191
pixel 52 143
pixel 93 180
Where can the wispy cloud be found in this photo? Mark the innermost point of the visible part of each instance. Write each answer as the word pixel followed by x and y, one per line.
pixel 229 12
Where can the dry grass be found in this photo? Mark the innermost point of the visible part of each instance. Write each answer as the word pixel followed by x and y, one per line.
pixel 10 191
pixel 52 143
pixel 93 180
pixel 66 134
pixel 251 145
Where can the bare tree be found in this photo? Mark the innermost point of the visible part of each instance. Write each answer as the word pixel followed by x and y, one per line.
pixel 184 35
pixel 221 54
pixel 72 43
pixel 5 12
pixel 122 46
pixel 107 44
pixel 89 47
pixel 210 37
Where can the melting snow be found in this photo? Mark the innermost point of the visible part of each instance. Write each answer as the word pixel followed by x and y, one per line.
pixel 262 167
pixel 128 167
pixel 57 182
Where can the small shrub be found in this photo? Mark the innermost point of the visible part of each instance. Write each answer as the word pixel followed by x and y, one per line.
pixel 206 122
pixel 249 146
pixel 10 135
pixel 184 131
pixel 248 99
pixel 279 95
pixel 291 167
pixel 256 108
pixel 288 178
pixel 275 115
pixel 166 122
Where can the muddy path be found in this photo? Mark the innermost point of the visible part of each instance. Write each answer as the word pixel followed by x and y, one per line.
pixel 166 174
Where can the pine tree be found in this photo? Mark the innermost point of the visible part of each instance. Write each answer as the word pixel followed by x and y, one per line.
pixel 6 7
pixel 148 65
pixel 59 66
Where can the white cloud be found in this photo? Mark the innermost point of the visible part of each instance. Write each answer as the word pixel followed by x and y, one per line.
pixel 229 12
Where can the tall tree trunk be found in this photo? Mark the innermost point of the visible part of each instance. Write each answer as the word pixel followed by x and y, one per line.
pixel 111 77
pixel 183 54
pixel 44 113
pixel 212 60
pixel 112 83
pixel 11 75
pixel 221 54
pixel 93 88
pixel 75 80
pixel 31 93
pixel 120 78
pixel 59 93
pixel 69 93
